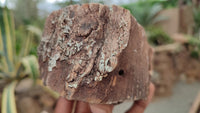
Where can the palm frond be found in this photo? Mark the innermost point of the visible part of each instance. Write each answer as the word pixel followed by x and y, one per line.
pixel 155 9
pixel 145 16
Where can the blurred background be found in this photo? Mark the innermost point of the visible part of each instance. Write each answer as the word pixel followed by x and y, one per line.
pixel 172 28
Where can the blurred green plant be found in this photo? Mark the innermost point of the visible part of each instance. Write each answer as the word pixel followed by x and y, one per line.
pixel 146 13
pixel 196 12
pixel 195 54
pixel 194 47
pixel 72 2
pixel 194 42
pixel 175 3
pixel 67 2
pixel 170 4
pixel 14 67
pixel 156 36
pixel 30 31
pixel 26 10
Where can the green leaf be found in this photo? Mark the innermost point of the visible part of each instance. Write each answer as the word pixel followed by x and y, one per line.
pixel 8 99
pixel 34 30
pixel 5 37
pixel 145 16
pixel 48 90
pixel 10 61
pixel 156 36
pixel 26 44
pixel 159 19
pixel 31 66
pixel 5 75
pixel 154 11
pixel 1 53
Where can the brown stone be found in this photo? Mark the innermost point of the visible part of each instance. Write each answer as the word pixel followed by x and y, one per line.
pixel 95 53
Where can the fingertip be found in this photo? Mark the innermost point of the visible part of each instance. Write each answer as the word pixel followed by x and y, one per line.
pixel 152 87
pixel 151 91
pixel 101 108
pixel 63 105
pixel 82 107
pixel 140 106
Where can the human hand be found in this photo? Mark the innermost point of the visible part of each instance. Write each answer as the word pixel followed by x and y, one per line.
pixel 66 106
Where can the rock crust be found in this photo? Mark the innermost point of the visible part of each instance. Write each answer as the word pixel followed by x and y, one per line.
pixel 95 53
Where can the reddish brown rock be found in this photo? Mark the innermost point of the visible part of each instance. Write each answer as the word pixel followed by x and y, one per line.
pixel 95 53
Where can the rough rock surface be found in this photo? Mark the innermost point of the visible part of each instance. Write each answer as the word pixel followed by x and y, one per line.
pixel 95 53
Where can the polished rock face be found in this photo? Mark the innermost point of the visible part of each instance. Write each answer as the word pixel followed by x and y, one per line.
pixel 95 53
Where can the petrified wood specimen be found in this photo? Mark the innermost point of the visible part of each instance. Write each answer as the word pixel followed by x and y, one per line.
pixel 95 53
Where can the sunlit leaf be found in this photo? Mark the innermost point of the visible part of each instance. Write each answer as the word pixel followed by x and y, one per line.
pixel 3 59
pixel 50 91
pixel 159 19
pixel 9 60
pixel 8 31
pixel 19 70
pixel 12 33
pixel 5 75
pixel 6 38
pixel 31 66
pixel 154 11
pixel 8 99
pixel 26 43
pixel 9 44
pixel 1 53
pixel 1 41
pixel 34 30
pixel 1 76
pixel 145 16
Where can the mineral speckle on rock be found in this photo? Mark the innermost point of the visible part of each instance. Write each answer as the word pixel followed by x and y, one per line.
pixel 84 47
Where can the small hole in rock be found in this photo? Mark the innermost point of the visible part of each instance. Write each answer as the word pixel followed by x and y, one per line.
pixel 66 35
pixel 121 72
pixel 109 63
pixel 64 21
